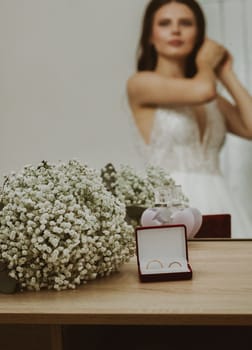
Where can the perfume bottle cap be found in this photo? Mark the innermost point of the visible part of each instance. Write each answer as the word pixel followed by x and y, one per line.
pixel 176 195
pixel 162 196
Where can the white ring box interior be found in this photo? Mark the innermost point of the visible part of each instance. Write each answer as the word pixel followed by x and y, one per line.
pixel 162 253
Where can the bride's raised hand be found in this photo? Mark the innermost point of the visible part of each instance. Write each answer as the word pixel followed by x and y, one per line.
pixel 211 53
pixel 225 66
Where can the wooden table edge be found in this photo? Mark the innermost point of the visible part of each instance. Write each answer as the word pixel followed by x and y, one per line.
pixel 129 319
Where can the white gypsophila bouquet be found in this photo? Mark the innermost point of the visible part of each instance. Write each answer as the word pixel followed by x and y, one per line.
pixel 137 190
pixel 60 227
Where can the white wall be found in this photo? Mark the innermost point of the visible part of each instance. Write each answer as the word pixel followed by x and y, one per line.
pixel 63 68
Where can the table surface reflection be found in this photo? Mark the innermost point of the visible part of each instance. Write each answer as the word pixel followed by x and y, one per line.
pixel 220 293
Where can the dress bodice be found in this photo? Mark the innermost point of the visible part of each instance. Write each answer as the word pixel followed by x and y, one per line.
pixel 176 144
pixel 193 161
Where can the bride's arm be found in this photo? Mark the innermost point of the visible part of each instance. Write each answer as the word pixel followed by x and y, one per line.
pixel 150 88
pixel 239 114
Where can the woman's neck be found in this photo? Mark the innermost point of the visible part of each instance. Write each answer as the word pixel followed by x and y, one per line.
pixel 171 68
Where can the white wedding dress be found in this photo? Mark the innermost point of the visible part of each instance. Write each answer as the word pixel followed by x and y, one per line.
pixel 194 163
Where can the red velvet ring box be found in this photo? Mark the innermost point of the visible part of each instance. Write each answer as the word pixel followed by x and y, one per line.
pixel 162 253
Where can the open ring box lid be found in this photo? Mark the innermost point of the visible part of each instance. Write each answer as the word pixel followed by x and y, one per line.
pixel 162 253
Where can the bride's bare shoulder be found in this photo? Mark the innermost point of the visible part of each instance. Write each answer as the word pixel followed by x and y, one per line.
pixel 142 84
pixel 141 78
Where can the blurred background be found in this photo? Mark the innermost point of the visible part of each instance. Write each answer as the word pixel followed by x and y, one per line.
pixel 63 71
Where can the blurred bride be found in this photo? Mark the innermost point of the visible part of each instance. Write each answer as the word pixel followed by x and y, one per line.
pixel 181 119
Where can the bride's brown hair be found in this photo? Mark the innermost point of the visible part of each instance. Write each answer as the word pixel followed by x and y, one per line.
pixel 147 55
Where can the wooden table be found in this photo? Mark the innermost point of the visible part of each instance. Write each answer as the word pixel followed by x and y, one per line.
pixel 220 293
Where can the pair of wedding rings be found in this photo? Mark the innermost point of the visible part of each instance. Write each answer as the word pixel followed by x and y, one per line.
pixel 153 264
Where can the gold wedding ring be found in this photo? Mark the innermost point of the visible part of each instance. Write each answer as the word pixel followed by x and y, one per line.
pixel 176 263
pixel 154 261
